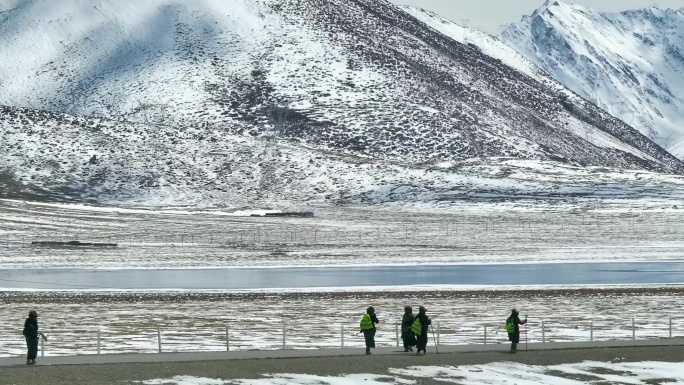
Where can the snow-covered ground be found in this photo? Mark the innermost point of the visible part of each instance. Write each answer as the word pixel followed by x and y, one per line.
pixel 646 229
pixel 500 373
pixel 192 322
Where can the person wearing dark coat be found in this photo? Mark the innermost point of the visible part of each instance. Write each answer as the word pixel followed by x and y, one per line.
pixel 421 343
pixel 368 328
pixel 31 333
pixel 515 336
pixel 406 334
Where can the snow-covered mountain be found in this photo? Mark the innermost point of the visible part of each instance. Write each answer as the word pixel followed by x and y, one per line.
pixel 58 157
pixel 630 63
pixel 486 43
pixel 288 99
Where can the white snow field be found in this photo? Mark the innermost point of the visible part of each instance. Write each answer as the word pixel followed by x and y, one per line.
pixel 501 373
pixel 163 126
pixel 644 229
pixel 196 322
pixel 647 227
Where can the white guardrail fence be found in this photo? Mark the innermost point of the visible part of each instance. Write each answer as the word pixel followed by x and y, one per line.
pixel 289 336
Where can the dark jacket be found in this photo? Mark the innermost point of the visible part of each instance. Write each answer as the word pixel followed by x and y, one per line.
pixel 515 319
pixel 407 321
pixel 31 327
pixel 374 320
pixel 424 323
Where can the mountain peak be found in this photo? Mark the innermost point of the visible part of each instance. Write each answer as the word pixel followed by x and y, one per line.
pixel 628 63
pixel 557 7
pixel 548 4
pixel 550 7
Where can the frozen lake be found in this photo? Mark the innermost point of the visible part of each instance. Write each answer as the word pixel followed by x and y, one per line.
pixel 328 277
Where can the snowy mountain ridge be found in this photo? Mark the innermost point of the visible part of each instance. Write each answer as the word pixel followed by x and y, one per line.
pixel 630 63
pixel 488 44
pixel 262 99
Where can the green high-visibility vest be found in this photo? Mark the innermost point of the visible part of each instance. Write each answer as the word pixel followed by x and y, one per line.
pixel 366 322
pixel 417 327
pixel 510 325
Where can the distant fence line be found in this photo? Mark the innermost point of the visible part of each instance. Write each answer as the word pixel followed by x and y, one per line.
pixel 256 233
pixel 286 336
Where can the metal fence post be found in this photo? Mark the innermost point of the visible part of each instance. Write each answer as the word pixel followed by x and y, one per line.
pixel 485 334
pixel 342 336
pixel 98 341
pixel 42 347
pixel 227 340
pixel 284 333
pixel 543 333
pixel 633 330
pixel 591 332
pixel 159 345
pixel 438 333
pixel 670 327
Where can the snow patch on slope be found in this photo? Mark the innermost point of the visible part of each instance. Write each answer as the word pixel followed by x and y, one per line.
pixel 127 163
pixel 488 44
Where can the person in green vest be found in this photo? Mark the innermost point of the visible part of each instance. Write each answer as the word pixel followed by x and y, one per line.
pixel 368 328
pixel 420 329
pixel 513 329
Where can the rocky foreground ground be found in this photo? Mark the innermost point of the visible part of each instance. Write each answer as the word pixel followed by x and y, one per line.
pixel 328 366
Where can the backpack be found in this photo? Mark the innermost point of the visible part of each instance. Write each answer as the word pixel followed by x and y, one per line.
pixel 417 327
pixel 510 325
pixel 366 322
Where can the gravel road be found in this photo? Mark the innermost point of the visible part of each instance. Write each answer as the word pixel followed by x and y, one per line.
pixel 329 366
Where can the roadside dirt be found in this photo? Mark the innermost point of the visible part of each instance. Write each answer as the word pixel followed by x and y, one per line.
pixel 328 366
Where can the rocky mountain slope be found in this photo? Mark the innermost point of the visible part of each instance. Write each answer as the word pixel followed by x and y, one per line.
pixel 59 157
pixel 630 64
pixel 486 43
pixel 243 100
